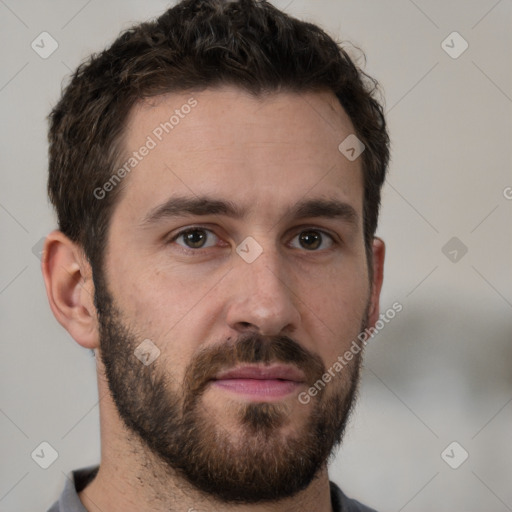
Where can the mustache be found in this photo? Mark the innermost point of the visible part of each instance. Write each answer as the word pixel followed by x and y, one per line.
pixel 250 348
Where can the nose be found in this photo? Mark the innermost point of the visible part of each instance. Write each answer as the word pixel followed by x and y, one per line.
pixel 262 299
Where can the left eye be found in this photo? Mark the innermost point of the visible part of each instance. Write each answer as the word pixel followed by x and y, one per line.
pixel 313 240
pixel 196 238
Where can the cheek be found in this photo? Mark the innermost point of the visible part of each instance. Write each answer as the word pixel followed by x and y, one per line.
pixel 338 292
pixel 333 312
pixel 159 296
pixel 175 313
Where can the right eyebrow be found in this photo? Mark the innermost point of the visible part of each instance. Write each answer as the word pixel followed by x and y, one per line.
pixel 179 206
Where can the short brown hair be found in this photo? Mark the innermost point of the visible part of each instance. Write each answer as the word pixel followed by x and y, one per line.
pixel 192 46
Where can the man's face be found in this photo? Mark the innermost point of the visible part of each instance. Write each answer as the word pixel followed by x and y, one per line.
pixel 256 266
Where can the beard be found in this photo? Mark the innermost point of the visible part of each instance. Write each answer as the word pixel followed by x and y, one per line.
pixel 257 462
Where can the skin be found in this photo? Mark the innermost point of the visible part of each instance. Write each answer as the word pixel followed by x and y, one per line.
pixel 265 155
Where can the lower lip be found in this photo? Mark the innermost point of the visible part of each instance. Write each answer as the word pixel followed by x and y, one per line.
pixel 259 388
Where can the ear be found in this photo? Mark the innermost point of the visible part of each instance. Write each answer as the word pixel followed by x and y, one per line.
pixel 379 250
pixel 70 289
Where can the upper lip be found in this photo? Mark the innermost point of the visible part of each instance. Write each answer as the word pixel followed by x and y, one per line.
pixel 276 371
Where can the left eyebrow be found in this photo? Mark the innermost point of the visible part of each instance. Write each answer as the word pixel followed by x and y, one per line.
pixel 330 209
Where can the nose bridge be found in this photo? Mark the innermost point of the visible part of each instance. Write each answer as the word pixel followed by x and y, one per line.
pixel 263 299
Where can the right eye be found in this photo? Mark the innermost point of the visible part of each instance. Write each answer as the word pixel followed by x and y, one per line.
pixel 196 238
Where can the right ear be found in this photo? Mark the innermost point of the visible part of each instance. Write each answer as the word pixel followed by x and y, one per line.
pixel 70 288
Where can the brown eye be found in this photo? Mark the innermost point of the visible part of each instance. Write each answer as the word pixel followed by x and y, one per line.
pixel 196 238
pixel 312 240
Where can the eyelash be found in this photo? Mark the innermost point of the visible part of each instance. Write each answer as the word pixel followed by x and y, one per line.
pixel 190 250
pixel 188 230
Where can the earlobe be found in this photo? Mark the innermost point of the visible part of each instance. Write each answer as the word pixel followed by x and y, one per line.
pixel 69 287
pixel 379 250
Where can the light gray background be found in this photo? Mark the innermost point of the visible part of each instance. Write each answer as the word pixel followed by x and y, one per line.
pixel 439 372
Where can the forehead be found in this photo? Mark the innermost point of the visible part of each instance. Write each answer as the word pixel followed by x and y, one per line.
pixel 263 152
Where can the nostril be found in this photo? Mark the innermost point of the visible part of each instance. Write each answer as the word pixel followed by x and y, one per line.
pixel 246 326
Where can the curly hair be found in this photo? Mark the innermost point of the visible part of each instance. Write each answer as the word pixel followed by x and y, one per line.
pixel 195 45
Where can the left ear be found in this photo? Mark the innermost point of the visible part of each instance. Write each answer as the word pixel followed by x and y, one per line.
pixel 379 250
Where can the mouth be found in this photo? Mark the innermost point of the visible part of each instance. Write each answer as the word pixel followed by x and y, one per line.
pixel 261 383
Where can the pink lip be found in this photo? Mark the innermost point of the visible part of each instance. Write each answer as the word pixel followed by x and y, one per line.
pixel 272 372
pixel 261 383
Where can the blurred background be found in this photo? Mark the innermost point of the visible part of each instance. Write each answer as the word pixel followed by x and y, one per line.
pixel 433 425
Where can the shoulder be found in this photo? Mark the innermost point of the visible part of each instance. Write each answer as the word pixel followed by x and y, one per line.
pixel 341 503
pixel 78 480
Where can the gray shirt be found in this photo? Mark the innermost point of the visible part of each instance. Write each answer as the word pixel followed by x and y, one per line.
pixel 80 478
